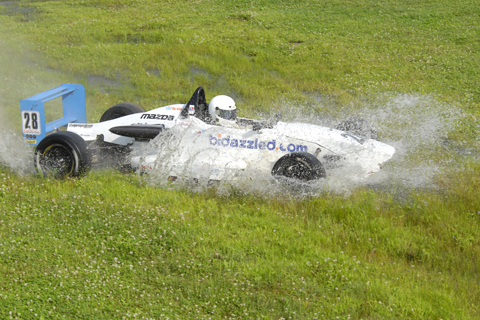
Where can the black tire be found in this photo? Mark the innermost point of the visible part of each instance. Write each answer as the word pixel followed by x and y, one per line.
pixel 62 154
pixel 359 127
pixel 299 165
pixel 120 110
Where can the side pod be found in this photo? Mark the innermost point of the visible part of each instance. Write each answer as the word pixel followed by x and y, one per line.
pixel 138 131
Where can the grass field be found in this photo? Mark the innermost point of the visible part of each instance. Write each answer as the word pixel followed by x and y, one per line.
pixel 112 245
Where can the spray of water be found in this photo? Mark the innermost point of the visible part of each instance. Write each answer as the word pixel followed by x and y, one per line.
pixel 15 154
pixel 417 126
pixel 170 149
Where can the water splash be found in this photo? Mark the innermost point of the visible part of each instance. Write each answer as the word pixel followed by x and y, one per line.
pixel 417 126
pixel 15 154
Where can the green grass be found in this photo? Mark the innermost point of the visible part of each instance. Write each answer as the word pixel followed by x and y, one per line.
pixel 158 51
pixel 110 246
pixel 107 246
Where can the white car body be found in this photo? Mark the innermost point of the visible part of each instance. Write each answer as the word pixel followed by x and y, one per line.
pixel 218 152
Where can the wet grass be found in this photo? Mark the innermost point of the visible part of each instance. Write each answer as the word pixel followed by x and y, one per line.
pixel 109 246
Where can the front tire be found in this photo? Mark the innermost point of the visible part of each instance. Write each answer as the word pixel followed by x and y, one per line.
pixel 302 166
pixel 120 110
pixel 62 154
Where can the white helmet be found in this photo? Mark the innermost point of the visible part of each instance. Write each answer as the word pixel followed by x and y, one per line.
pixel 223 107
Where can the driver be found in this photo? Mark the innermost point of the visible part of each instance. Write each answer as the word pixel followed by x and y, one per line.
pixel 223 111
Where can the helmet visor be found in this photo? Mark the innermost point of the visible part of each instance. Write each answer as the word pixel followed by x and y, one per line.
pixel 227 114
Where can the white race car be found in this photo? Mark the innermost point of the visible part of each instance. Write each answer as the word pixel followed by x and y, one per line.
pixel 208 140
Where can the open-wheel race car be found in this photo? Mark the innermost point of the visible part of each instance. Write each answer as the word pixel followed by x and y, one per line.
pixel 208 139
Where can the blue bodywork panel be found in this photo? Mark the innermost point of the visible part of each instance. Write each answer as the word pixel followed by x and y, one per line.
pixel 32 110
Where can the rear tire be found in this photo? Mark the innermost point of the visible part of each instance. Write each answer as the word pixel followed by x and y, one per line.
pixel 302 166
pixel 120 110
pixel 62 154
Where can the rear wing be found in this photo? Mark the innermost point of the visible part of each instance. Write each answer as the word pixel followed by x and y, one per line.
pixel 34 126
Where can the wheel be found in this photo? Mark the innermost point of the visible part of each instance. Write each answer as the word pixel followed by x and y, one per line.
pixel 359 127
pixel 62 154
pixel 299 165
pixel 120 110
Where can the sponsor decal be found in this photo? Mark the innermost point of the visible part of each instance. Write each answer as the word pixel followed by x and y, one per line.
pixel 271 145
pixel 28 131
pixel 169 108
pixel 151 116
pixel 191 108
pixel 75 125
